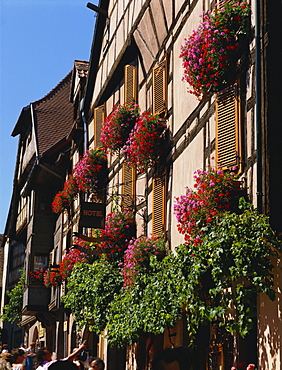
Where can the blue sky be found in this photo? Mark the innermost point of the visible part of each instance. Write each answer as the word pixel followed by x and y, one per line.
pixel 39 40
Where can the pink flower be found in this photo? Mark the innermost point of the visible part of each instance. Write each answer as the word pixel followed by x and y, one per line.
pixel 251 367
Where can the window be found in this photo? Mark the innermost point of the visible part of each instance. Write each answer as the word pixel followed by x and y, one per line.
pixel 99 116
pixel 228 129
pixel 128 186
pixel 40 262
pixel 130 83
pixel 160 88
pixel 159 205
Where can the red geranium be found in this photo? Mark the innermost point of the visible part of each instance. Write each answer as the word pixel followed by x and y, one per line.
pixel 143 147
pixel 197 208
pixel 64 198
pixel 117 126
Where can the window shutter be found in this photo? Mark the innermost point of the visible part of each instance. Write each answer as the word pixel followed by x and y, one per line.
pixel 128 187
pixel 160 88
pixel 130 83
pixel 99 116
pixel 158 211
pixel 228 131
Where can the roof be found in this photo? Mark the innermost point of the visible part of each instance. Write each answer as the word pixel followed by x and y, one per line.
pixel 53 116
pixel 80 70
pixel 81 67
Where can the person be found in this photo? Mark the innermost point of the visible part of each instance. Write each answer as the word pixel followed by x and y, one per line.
pixel 62 365
pixel 44 357
pixel 78 363
pixel 97 364
pixel 178 358
pixel 5 348
pixel 18 359
pixel 30 353
pixel 31 349
pixel 6 361
pixel 22 346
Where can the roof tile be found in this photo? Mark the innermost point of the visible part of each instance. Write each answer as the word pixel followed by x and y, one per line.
pixel 53 115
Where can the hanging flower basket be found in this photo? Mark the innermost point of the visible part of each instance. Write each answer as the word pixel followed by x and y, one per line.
pixel 143 148
pixel 117 233
pixel 199 207
pixel 88 171
pixel 117 126
pixel 63 199
pixel 210 54
pixel 69 260
pixel 138 253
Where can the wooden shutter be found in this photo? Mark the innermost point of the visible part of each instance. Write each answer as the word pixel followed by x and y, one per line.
pixel 158 211
pixel 228 130
pixel 130 83
pixel 99 116
pixel 160 88
pixel 129 186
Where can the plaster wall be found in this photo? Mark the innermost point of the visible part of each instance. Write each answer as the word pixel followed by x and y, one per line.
pixel 270 326
pixel 184 103
pixel 183 172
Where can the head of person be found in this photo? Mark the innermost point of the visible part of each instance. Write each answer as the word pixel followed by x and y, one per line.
pixel 63 365
pixel 7 357
pixel 43 355
pixel 5 346
pixel 32 345
pixel 97 364
pixel 22 345
pixel 178 358
pixel 18 355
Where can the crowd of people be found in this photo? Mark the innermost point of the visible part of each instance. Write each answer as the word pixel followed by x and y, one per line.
pixel 22 358
pixel 178 358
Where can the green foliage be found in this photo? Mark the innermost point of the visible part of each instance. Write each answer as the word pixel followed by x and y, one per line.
pixel 228 269
pixel 13 309
pixel 217 279
pixel 90 289
pixel 150 305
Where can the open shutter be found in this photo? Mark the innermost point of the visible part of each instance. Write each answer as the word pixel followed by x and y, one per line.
pixel 228 132
pixel 99 116
pixel 130 83
pixel 158 211
pixel 160 88
pixel 128 187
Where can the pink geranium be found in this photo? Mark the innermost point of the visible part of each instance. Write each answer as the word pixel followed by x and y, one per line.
pixel 138 254
pixel 209 54
pixel 88 169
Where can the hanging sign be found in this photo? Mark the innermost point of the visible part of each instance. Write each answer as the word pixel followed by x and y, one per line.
pixel 92 215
